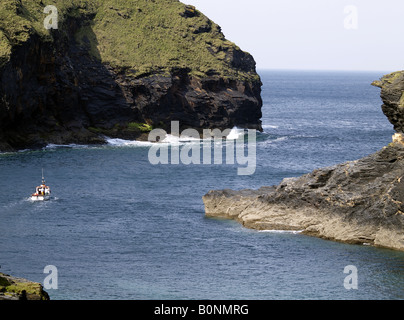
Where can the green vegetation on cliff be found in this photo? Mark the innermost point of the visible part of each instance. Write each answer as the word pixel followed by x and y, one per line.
pixel 16 288
pixel 138 36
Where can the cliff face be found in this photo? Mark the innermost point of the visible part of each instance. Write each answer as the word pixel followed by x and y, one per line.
pixel 118 68
pixel 356 202
pixel 392 94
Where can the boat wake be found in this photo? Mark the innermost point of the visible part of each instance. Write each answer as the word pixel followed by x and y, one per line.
pixel 30 200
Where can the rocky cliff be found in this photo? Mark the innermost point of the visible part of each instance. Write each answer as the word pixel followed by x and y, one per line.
pixel 13 288
pixel 392 94
pixel 355 202
pixel 118 68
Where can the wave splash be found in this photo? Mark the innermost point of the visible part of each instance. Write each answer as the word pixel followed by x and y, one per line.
pixel 170 139
pixel 235 134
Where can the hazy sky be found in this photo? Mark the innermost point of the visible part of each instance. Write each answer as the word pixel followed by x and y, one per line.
pixel 314 34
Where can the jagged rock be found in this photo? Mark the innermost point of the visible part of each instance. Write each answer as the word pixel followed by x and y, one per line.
pixel 356 202
pixel 189 12
pixel 392 94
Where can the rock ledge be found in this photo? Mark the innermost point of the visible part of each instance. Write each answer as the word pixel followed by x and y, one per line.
pixel 12 288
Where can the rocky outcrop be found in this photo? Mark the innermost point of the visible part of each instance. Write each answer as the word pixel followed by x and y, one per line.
pixel 392 94
pixel 209 102
pixel 110 70
pixel 12 288
pixel 356 202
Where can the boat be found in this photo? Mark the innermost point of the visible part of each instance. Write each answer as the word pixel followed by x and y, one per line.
pixel 42 192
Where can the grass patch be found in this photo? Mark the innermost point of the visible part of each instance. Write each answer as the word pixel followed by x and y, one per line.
pixel 142 127
pixel 29 287
pixel 137 35
pixel 18 286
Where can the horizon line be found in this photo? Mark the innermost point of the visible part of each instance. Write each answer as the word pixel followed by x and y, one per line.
pixel 326 70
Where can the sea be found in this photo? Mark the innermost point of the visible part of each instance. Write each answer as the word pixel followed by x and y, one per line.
pixel 118 227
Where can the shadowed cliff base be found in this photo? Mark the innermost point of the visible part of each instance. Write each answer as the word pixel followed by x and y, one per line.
pixel 113 67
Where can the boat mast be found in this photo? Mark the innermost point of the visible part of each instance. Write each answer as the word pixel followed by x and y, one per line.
pixel 43 179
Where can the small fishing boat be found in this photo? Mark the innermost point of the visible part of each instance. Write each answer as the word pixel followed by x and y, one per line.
pixel 42 192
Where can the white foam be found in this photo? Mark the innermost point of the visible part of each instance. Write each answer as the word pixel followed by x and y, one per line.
pixel 282 231
pixel 176 140
pixel 56 146
pixel 6 153
pixel 169 139
pixel 269 126
pixel 272 141
pixel 235 134
pixel 126 143
pixel 281 139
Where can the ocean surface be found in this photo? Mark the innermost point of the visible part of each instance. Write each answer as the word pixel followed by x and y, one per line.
pixel 118 227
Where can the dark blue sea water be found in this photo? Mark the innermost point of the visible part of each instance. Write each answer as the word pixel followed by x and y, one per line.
pixel 121 228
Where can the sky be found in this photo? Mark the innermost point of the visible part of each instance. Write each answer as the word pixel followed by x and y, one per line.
pixel 360 35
